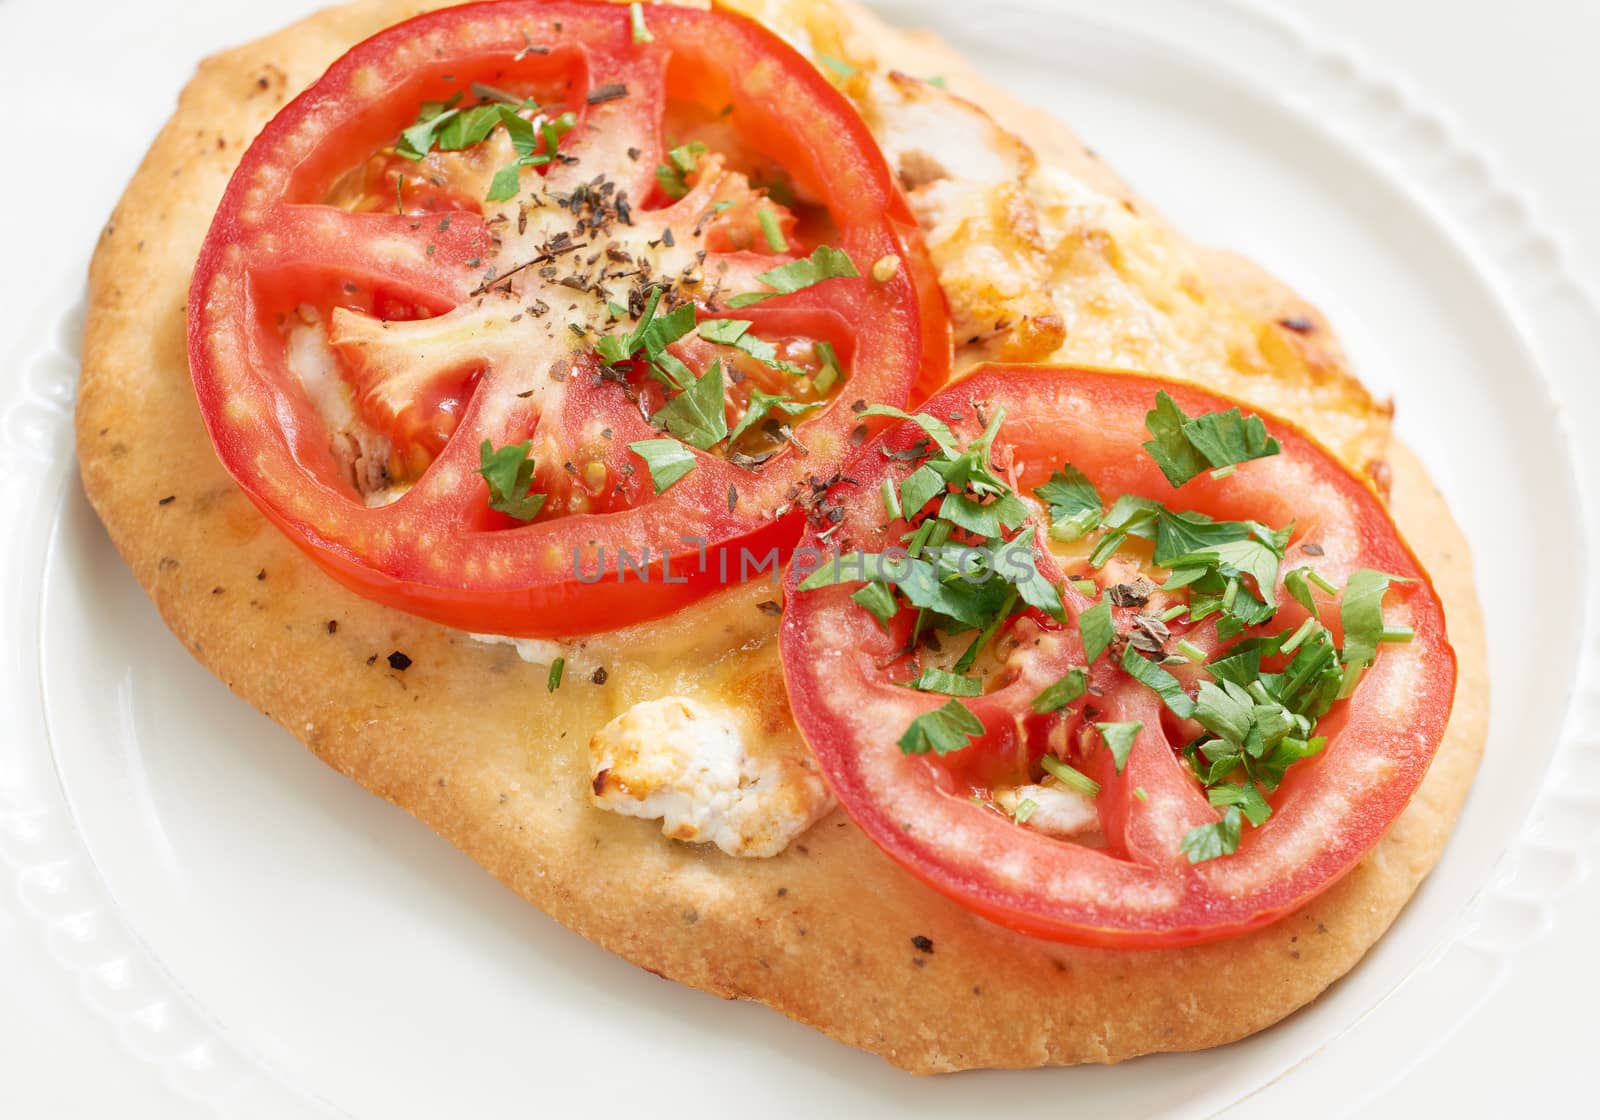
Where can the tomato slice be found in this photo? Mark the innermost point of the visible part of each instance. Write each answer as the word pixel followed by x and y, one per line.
pixel 364 323
pixel 1125 880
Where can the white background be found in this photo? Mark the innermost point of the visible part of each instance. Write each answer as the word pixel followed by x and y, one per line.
pixel 1521 77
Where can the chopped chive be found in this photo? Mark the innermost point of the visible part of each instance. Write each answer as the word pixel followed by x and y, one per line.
pixel 557 667
pixel 1138 791
pixel 641 33
pixel 1352 678
pixel 1191 651
pixel 919 539
pixel 1307 628
pixel 1084 586
pixel 891 500
pixel 1025 809
pixel 1395 634
pixel 1069 777
pixel 831 369
pixel 769 227
pixel 838 65
pixel 1223 472
pixel 1229 594
pixel 1173 612
pixel 1315 577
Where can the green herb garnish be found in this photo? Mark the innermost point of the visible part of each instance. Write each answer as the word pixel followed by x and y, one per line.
pixel 669 461
pixel 1361 614
pixel 696 415
pixel 951 684
pixel 824 263
pixel 1098 630
pixel 1071 686
pixel 1211 841
pixel 942 730
pixel 770 230
pixel 763 405
pixel 838 65
pixel 641 33
pixel 1119 739
pixel 1075 507
pixel 681 161
pixel 736 333
pixel 1183 447
pixel 1067 776
pixel 509 473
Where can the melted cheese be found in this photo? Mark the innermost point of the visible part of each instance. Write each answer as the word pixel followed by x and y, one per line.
pixel 966 178
pixel 1036 265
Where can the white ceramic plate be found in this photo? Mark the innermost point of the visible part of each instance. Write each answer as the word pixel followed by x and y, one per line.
pixel 281 944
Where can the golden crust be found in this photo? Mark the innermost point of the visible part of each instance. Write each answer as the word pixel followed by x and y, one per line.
pixel 465 738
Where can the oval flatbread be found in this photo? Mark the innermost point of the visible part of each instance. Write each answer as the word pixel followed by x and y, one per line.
pixel 466 736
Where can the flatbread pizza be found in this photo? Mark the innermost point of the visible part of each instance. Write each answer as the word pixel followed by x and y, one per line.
pixel 520 298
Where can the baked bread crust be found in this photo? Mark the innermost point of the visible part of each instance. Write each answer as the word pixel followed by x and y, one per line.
pixel 466 738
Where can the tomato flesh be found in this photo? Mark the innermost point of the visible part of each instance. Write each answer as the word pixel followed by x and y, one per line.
pixel 454 321
pixel 1129 885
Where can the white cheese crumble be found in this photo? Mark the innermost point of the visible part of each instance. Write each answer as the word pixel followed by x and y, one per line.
pixel 1058 811
pixel 362 452
pixel 535 651
pixel 690 765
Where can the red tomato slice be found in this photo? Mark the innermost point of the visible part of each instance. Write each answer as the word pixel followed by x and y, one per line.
pixel 1128 885
pixel 449 321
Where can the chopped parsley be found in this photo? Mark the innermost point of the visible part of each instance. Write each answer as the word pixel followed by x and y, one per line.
pixel 1158 680
pixel 1071 686
pixel 1184 446
pixel 697 414
pixel 526 140
pixel 649 339
pixel 942 730
pixel 444 126
pixel 509 473
pixel 1119 739
pixel 1361 614
pixel 1075 507
pixel 951 684
pixel 736 333
pixel 1211 841
pixel 1097 629
pixel 824 263
pixel 668 460
pixel 763 405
